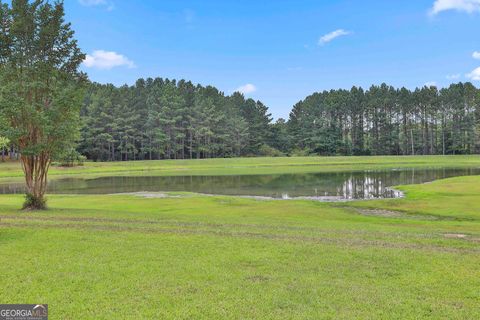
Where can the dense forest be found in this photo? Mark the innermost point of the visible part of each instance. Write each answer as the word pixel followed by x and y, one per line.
pixel 388 121
pixel 168 119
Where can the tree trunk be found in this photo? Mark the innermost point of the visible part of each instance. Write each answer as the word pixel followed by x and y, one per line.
pixel 413 147
pixel 36 171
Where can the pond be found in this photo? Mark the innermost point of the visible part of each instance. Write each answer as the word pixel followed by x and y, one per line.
pixel 331 186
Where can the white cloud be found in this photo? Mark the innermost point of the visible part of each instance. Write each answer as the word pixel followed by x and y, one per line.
pixel 474 75
pixel 92 2
pixel 430 84
pixel 476 55
pixel 453 76
pixel 468 6
pixel 246 89
pixel 333 35
pixel 106 60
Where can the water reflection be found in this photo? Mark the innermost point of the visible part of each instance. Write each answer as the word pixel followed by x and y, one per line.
pixel 325 186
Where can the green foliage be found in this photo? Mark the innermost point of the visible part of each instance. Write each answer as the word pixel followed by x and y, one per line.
pixel 41 91
pixel 165 119
pixel 33 202
pixel 4 142
pixel 301 152
pixel 279 136
pixel 70 158
pixel 388 121
pixel 267 151
pixel 40 94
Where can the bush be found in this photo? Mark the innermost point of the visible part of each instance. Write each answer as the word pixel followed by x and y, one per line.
pixel 268 151
pixel 34 203
pixel 70 158
pixel 301 153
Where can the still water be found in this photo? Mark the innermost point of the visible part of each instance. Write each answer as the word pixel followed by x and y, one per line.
pixel 322 186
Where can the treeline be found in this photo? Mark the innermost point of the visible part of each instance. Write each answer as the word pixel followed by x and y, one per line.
pixel 388 121
pixel 166 119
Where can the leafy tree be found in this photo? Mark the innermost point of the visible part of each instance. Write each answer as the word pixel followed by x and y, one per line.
pixel 280 139
pixel 41 94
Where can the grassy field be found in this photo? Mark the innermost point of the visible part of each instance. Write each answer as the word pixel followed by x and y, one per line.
pixel 12 170
pixel 201 257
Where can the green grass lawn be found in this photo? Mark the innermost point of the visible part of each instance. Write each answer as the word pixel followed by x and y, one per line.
pixel 12 170
pixel 216 257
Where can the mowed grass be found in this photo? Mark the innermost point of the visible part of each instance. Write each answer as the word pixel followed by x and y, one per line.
pixel 12 170
pixel 216 257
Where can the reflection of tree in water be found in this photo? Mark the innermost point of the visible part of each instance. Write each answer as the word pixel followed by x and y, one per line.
pixel 345 185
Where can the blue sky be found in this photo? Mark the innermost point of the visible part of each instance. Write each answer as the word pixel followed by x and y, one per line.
pixel 280 51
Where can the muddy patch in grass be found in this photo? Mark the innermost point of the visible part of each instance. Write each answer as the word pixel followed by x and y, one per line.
pixel 380 213
pixel 455 236
pixel 462 236
pixel 148 195
pixel 393 214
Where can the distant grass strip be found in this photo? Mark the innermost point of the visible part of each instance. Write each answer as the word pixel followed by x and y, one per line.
pixel 11 171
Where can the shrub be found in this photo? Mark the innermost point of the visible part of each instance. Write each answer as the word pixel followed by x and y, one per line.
pixel 268 151
pixel 34 203
pixel 70 158
pixel 301 152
